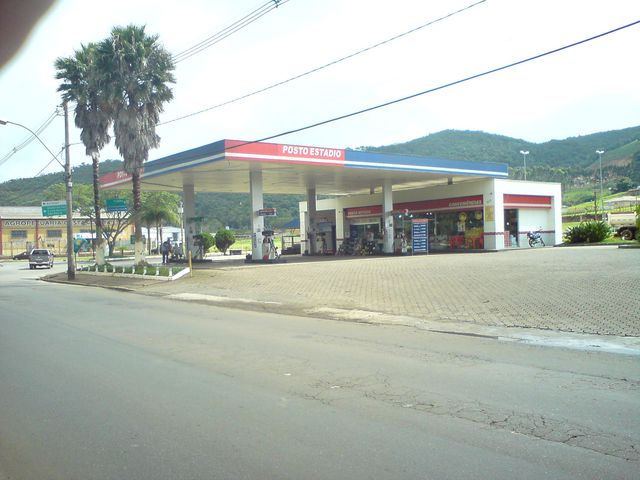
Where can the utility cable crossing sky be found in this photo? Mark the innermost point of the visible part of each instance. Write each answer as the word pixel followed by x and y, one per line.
pixel 317 69
pixel 184 55
pixel 447 85
pixel 243 22
pixel 30 138
pixel 230 30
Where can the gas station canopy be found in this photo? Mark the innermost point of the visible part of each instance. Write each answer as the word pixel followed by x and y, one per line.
pixel 224 166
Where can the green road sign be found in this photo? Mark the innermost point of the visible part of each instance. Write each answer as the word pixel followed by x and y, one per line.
pixel 117 205
pixel 54 208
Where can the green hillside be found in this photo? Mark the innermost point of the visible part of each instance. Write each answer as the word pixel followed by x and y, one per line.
pixel 28 191
pixel 573 161
pixel 573 152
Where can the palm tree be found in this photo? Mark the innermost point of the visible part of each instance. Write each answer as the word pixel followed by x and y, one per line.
pixel 158 209
pixel 81 85
pixel 136 70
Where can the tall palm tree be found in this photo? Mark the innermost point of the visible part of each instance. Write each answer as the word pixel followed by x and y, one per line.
pixel 136 70
pixel 81 85
pixel 158 209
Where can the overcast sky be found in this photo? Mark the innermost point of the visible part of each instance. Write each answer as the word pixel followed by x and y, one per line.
pixel 589 88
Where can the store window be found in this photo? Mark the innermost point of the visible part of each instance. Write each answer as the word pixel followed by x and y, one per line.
pixel 54 233
pixel 18 234
pixel 447 230
pixel 366 235
pixel 464 229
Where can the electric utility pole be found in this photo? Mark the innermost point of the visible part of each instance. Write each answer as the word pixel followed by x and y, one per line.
pixel 71 268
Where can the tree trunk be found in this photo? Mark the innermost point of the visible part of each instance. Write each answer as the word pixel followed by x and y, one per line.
pixel 158 239
pixel 95 159
pixel 148 226
pixel 137 224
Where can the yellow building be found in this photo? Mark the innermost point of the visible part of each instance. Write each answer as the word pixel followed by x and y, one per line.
pixel 24 228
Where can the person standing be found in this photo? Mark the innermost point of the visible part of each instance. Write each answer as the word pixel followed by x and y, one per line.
pixel 165 249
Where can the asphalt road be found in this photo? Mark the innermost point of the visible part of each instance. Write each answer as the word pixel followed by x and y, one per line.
pixel 98 384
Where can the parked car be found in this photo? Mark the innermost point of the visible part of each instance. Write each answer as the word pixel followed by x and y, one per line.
pixel 21 256
pixel 40 257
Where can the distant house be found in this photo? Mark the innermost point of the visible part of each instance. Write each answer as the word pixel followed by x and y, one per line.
pixel 626 201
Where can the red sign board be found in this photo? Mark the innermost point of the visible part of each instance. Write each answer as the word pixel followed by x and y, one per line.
pixel 274 152
pixel 472 202
pixel 526 201
pixel 115 178
pixel 457 204
pixel 267 212
pixel 371 211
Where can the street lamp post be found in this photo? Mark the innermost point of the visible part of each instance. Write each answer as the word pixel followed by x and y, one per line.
pixel 600 152
pixel 524 157
pixel 71 273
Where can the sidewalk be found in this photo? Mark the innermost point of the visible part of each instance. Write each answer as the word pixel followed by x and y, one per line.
pixel 585 290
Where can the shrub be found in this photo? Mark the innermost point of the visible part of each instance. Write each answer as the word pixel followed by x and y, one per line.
pixel 588 232
pixel 205 239
pixel 224 239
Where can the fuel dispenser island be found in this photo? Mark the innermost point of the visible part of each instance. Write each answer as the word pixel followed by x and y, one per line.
pixel 268 247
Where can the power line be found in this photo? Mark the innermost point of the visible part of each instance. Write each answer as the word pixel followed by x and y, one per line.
pixel 199 47
pixel 31 192
pixel 231 29
pixel 50 162
pixel 314 70
pixel 442 87
pixel 30 138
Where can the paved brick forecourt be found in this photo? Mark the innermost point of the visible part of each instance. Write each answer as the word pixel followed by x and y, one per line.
pixel 574 289
pixel 591 290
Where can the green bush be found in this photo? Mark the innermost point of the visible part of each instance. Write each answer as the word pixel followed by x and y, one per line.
pixel 205 239
pixel 224 239
pixel 588 232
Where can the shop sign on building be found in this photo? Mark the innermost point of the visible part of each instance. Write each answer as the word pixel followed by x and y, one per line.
pixel 419 235
pixel 355 212
pixel 293 154
pixel 54 208
pixel 18 223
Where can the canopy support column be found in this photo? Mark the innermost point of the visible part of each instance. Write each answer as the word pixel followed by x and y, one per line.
pixel 310 220
pixel 257 221
pixel 189 199
pixel 387 216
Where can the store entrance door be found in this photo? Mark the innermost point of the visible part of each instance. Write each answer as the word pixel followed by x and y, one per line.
pixel 510 227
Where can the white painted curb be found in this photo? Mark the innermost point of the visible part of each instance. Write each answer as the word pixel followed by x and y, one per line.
pixel 171 278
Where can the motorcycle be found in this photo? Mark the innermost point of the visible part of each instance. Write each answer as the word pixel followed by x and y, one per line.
pixel 535 238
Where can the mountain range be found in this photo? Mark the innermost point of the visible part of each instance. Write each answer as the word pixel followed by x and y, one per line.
pixel 575 153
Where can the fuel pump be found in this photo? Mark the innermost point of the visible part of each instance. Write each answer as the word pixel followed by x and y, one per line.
pixel 268 247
